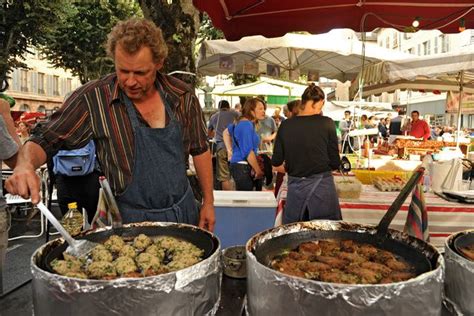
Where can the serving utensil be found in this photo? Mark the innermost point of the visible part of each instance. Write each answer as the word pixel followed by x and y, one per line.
pixel 111 203
pixel 77 248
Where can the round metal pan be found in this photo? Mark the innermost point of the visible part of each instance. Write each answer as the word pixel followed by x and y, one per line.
pixel 464 240
pixel 200 238
pixel 416 252
pixel 409 248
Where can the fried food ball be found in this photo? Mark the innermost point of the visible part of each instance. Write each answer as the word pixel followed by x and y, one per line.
pixel 156 251
pixel 64 266
pixel 166 242
pixel 142 241
pixel 337 276
pixel 182 260
pixel 114 244
pixel 77 275
pixel 397 265
pixel 68 257
pixel 102 255
pixel 128 251
pixel 146 261
pixel 124 265
pixel 101 270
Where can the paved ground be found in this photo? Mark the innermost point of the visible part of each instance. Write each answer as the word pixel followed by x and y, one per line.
pixel 16 298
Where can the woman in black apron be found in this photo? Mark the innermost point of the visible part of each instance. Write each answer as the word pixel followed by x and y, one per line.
pixel 306 147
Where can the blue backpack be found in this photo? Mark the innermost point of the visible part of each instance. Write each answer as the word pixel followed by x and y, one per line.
pixel 76 162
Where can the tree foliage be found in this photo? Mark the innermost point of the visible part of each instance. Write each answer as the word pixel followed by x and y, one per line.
pixel 24 23
pixel 78 41
pixel 179 21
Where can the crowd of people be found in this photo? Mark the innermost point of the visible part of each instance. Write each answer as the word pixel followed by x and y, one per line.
pixel 301 149
pixel 389 127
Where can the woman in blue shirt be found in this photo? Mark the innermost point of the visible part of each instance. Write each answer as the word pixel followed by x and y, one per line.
pixel 242 153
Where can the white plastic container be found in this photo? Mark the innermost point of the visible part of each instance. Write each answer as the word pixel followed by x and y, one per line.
pixel 242 214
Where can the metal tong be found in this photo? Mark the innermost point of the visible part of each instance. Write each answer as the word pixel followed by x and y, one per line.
pixel 111 203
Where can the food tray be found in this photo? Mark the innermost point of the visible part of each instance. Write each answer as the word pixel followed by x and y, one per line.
pixel 367 176
pixel 348 187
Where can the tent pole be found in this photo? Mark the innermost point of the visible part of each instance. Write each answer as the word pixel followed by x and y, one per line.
pixel 461 90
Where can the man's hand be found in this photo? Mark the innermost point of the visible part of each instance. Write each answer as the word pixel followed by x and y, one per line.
pixel 24 182
pixel 259 174
pixel 207 217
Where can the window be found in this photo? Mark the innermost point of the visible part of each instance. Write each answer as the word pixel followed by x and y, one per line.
pixel 411 51
pixel 387 42
pixel 427 48
pixel 444 43
pixel 41 89
pixel 41 109
pixel 419 50
pixel 25 107
pixel 24 80
pixel 56 85
pixel 34 81
pixel 56 108
pixel 49 85
pixel 395 40
pixel 435 46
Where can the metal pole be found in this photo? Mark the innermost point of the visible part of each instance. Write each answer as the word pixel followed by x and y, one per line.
pixel 461 90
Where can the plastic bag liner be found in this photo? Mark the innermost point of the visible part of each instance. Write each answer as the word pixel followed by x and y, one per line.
pixel 459 279
pixel 270 292
pixel 191 291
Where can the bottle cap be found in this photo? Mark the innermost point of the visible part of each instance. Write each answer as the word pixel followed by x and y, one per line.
pixel 72 205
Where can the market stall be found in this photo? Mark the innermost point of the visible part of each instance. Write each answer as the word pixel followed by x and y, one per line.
pixel 444 217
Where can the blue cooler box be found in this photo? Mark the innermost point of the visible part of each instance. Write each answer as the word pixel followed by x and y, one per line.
pixel 242 214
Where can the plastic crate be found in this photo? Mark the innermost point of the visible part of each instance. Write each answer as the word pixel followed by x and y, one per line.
pixel 367 176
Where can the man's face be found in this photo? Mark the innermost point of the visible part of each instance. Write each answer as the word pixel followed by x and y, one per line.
pixel 136 72
pixel 415 116
pixel 347 115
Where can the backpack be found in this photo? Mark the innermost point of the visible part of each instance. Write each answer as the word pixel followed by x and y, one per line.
pixel 76 162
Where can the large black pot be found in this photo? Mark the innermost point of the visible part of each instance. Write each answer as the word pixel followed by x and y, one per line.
pixel 273 293
pixel 191 291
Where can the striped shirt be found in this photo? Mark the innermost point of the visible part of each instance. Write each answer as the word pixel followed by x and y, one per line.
pixel 97 111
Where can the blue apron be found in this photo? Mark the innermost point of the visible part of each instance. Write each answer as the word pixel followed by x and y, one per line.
pixel 159 190
pixel 312 197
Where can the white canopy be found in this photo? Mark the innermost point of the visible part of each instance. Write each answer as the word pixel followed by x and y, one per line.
pixel 429 73
pixel 326 55
pixel 336 109
pixel 261 88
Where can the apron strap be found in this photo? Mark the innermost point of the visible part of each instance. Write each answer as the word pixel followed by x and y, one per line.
pixel 132 112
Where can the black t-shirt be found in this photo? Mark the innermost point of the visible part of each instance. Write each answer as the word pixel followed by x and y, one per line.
pixel 307 145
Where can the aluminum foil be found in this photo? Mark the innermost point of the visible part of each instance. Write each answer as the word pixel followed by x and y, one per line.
pixel 191 291
pixel 273 293
pixel 459 279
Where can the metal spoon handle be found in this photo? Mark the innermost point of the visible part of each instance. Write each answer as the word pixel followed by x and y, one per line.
pixel 52 219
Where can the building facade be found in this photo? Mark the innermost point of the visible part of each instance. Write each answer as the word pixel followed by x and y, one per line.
pixel 425 43
pixel 41 87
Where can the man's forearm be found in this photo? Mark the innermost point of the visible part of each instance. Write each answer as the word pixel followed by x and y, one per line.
pixel 203 165
pixel 31 154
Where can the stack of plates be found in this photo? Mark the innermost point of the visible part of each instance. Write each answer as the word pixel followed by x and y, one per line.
pixel 463 196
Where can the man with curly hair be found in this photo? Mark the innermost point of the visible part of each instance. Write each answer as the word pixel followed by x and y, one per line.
pixel 144 124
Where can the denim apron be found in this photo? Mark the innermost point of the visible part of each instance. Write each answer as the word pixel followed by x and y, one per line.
pixel 159 190
pixel 312 197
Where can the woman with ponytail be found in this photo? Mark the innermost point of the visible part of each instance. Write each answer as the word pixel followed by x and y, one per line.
pixel 306 148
